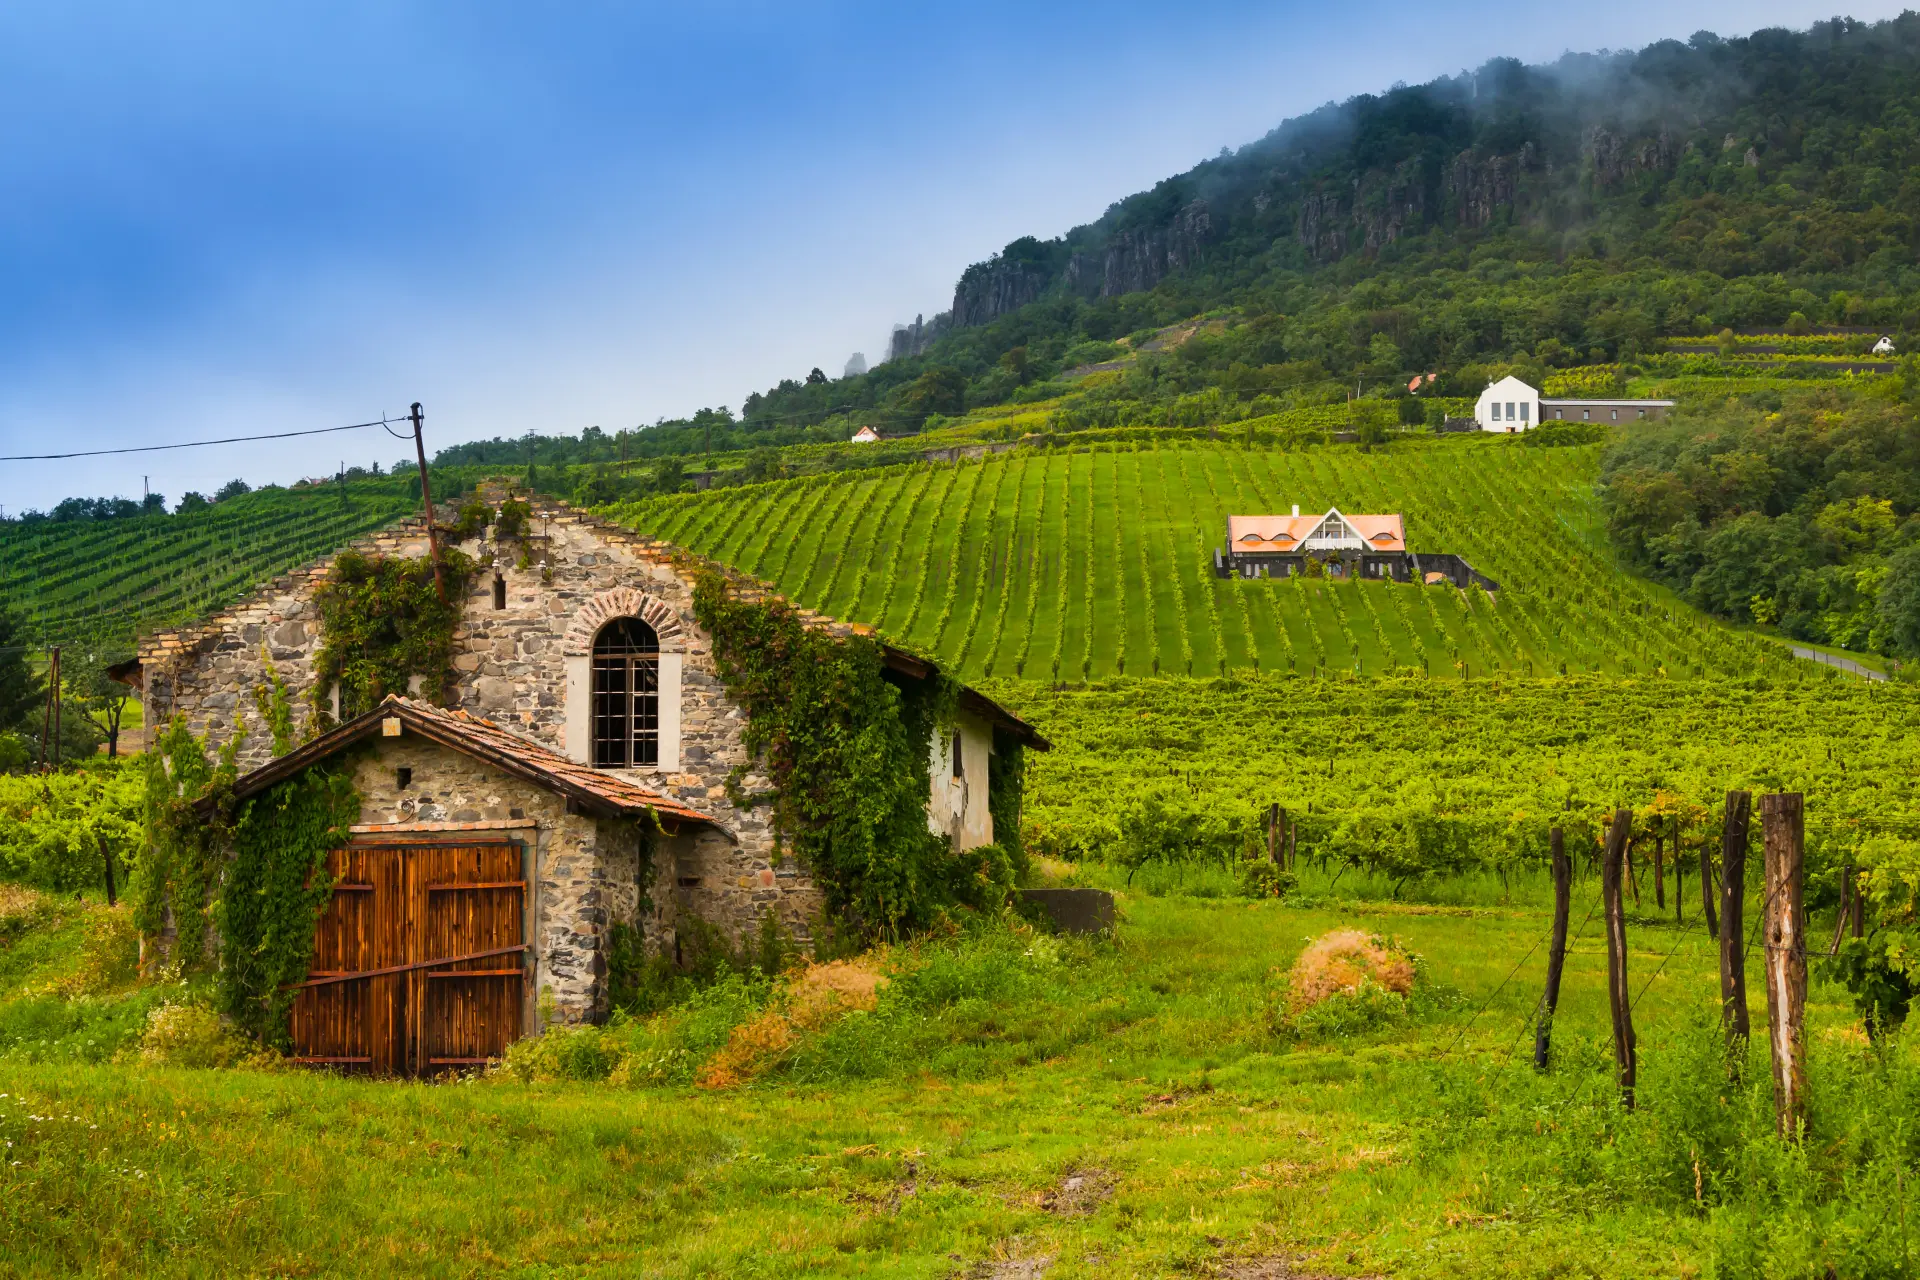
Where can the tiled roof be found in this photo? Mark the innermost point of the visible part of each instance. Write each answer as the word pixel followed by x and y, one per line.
pixel 1286 533
pixel 596 790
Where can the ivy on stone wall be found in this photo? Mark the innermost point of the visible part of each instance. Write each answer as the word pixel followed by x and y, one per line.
pixel 381 623
pixel 174 876
pixel 275 889
pixel 847 751
pixel 274 701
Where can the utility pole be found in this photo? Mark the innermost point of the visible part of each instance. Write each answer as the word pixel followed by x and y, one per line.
pixel 49 723
pixel 426 501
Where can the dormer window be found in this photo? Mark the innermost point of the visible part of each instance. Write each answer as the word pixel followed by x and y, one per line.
pixel 626 695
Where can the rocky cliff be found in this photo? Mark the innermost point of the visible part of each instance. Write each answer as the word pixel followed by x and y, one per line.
pixel 1506 147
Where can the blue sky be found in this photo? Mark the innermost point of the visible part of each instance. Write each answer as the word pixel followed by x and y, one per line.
pixel 220 219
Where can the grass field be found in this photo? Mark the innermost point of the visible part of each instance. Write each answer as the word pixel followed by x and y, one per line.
pixel 1060 1107
pixel 1068 565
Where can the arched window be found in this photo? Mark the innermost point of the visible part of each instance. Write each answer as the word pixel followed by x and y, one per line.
pixel 626 695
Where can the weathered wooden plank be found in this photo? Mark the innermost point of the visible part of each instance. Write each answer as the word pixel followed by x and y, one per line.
pixel 1782 824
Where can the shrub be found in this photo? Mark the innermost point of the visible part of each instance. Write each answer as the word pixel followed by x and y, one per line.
pixel 1345 982
pixel 109 953
pixel 191 1034
pixel 666 1048
pixel 1337 963
pixel 1259 878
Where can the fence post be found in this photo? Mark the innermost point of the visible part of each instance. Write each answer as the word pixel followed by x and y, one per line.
pixel 1733 909
pixel 1557 956
pixel 1706 886
pixel 106 856
pixel 1783 828
pixel 1618 999
pixel 1679 879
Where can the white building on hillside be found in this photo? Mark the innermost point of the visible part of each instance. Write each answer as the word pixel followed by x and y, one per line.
pixel 1512 405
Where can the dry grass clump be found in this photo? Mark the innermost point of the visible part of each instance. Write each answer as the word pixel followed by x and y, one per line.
pixel 814 996
pixel 1339 963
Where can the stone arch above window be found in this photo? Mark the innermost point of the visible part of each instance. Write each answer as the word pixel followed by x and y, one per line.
pixel 623 602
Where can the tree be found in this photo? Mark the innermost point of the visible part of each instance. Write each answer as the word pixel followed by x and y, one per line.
pixel 233 489
pixel 816 378
pixel 1899 603
pixel 21 690
pixel 939 390
pixel 191 501
pixel 103 697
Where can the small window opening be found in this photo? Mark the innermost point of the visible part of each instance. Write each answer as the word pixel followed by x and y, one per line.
pixel 499 592
pixel 403 778
pixel 959 761
pixel 1616 415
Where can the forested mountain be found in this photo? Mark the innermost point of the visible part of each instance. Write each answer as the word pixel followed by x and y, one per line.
pixel 1572 212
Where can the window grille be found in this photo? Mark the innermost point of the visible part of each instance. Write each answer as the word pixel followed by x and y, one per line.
pixel 626 695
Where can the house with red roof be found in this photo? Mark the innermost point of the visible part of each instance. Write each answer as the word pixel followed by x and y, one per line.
pixel 1339 544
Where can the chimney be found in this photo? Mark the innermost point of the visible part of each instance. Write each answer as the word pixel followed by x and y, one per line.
pixel 1296 511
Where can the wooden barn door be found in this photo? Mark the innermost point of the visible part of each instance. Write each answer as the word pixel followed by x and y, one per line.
pixel 418 961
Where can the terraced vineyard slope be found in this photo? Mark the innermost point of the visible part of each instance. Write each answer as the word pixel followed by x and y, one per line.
pixel 97 582
pixel 1049 564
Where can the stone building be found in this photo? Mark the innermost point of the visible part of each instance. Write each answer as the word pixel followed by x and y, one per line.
pixel 584 691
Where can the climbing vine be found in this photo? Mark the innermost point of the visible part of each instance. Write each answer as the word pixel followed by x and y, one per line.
pixel 846 749
pixel 275 889
pixel 175 874
pixel 274 701
pixel 1006 786
pixel 381 622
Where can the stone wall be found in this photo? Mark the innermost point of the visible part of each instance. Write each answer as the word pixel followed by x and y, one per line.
pixel 510 666
pixel 586 871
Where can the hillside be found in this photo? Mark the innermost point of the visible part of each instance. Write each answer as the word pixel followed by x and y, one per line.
pixel 88 582
pixel 1575 213
pixel 1091 562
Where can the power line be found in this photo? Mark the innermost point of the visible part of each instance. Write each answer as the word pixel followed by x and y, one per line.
pixel 191 444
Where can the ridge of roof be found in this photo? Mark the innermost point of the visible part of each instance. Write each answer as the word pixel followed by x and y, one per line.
pixel 595 790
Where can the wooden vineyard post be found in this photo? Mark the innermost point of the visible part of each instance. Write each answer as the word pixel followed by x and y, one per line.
pixel 1783 828
pixel 1733 908
pixel 1859 907
pixel 1275 815
pixel 1679 867
pixel 1612 864
pixel 1659 869
pixel 1557 955
pixel 1846 909
pixel 106 856
pixel 1706 887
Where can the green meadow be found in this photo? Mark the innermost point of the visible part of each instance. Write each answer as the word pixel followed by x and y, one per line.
pixel 1018 1104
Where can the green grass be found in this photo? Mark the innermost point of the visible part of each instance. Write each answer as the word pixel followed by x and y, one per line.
pixel 1059 564
pixel 939 1139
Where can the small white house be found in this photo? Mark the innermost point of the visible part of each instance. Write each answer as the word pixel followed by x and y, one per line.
pixel 1884 347
pixel 1508 405
pixel 865 435
pixel 1511 405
